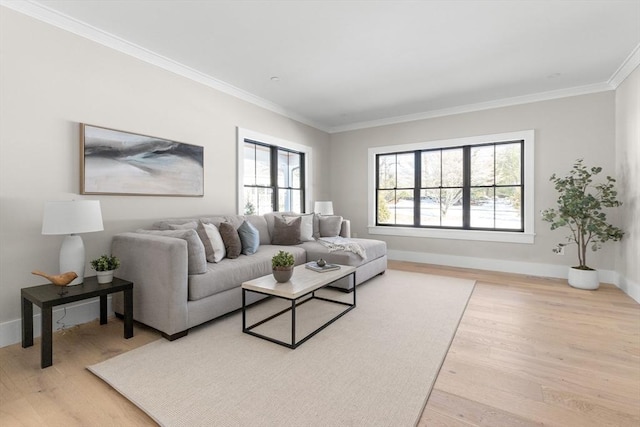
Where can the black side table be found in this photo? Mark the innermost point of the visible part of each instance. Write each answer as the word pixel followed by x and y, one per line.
pixel 48 296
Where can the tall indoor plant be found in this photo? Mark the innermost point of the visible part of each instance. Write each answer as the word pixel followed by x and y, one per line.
pixel 581 207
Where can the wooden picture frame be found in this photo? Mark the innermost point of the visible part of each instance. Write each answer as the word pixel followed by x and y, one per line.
pixel 115 162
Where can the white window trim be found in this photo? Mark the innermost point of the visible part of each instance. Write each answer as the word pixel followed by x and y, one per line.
pixel 243 134
pixel 492 236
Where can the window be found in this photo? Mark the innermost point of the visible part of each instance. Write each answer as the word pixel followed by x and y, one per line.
pixel 271 174
pixel 471 188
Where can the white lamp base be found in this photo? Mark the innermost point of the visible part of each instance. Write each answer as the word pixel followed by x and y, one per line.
pixel 72 257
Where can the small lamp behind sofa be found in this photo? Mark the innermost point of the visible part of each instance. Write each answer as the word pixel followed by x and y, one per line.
pixel 323 208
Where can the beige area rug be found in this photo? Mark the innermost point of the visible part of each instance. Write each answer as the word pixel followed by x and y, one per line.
pixel 375 366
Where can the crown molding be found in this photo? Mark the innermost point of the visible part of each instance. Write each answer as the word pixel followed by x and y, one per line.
pixel 628 65
pixel 52 17
pixel 82 29
pixel 505 102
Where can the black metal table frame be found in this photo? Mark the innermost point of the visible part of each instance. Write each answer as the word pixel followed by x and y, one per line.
pixel 294 303
pixel 48 296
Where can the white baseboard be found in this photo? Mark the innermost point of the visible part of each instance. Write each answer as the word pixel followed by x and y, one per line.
pixel 520 267
pixel 83 312
pixel 629 287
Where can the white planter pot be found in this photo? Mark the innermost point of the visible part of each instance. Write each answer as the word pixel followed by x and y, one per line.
pixel 584 279
pixel 105 276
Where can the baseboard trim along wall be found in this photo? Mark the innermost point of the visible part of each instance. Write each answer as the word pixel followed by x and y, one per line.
pixel 519 267
pixel 76 314
pixel 86 311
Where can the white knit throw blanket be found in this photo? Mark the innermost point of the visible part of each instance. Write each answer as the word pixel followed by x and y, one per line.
pixel 341 244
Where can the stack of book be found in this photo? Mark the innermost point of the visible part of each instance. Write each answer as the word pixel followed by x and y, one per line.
pixel 313 265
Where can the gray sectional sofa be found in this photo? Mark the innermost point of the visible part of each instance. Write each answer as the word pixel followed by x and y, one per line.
pixel 173 291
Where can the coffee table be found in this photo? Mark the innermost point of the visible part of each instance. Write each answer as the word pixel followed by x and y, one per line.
pixel 304 283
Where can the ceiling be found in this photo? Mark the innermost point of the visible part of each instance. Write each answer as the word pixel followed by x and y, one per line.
pixel 340 65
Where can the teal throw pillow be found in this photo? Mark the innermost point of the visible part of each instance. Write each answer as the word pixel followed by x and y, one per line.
pixel 249 237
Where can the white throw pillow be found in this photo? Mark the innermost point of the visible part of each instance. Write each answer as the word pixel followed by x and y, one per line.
pixel 306 226
pixel 216 242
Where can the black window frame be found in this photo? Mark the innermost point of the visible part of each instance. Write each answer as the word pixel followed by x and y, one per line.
pixel 273 174
pixel 466 187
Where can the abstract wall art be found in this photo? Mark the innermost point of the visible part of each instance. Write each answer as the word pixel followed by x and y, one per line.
pixel 124 163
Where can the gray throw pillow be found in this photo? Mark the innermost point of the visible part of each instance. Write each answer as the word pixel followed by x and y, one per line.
pixel 208 247
pixel 196 257
pixel 306 225
pixel 231 239
pixel 249 237
pixel 330 225
pixel 286 233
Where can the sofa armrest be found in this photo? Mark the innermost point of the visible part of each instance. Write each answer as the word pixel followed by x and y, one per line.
pixel 158 268
pixel 345 228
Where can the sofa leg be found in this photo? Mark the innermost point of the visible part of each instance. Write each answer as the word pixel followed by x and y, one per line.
pixel 175 336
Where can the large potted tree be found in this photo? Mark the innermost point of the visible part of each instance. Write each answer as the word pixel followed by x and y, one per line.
pixel 581 208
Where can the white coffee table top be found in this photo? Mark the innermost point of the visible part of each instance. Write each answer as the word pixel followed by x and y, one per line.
pixel 302 282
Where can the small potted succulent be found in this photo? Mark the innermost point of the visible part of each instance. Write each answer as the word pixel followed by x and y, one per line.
pixel 282 264
pixel 104 267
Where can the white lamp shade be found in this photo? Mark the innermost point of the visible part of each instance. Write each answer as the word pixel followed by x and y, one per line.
pixel 323 208
pixel 72 217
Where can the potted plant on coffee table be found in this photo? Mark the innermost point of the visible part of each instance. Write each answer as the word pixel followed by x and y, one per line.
pixel 282 264
pixel 581 208
pixel 104 267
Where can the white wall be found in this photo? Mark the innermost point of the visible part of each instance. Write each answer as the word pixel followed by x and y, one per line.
pixel 628 176
pixel 565 129
pixel 50 80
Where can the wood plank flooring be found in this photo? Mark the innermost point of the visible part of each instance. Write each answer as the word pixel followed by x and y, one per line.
pixel 529 351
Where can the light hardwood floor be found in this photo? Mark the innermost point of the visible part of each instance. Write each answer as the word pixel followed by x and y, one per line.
pixel 529 351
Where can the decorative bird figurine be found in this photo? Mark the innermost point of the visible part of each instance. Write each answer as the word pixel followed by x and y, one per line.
pixel 58 279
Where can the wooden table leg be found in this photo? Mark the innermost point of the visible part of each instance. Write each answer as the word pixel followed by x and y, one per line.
pixel 46 347
pixel 27 323
pixel 103 309
pixel 128 313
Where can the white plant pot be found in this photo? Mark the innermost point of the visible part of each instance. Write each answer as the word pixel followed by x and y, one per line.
pixel 105 276
pixel 584 279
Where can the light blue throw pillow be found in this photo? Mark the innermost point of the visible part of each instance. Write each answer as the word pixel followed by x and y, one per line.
pixel 250 238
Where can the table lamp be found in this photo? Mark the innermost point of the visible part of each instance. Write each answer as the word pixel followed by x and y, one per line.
pixel 323 208
pixel 71 218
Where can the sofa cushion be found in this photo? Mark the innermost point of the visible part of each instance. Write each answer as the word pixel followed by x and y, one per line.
pixel 232 272
pixel 231 239
pixel 249 238
pixel 195 249
pixel 190 225
pixel 175 224
pixel 216 220
pixel 373 248
pixel 306 225
pixel 329 225
pixel 286 233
